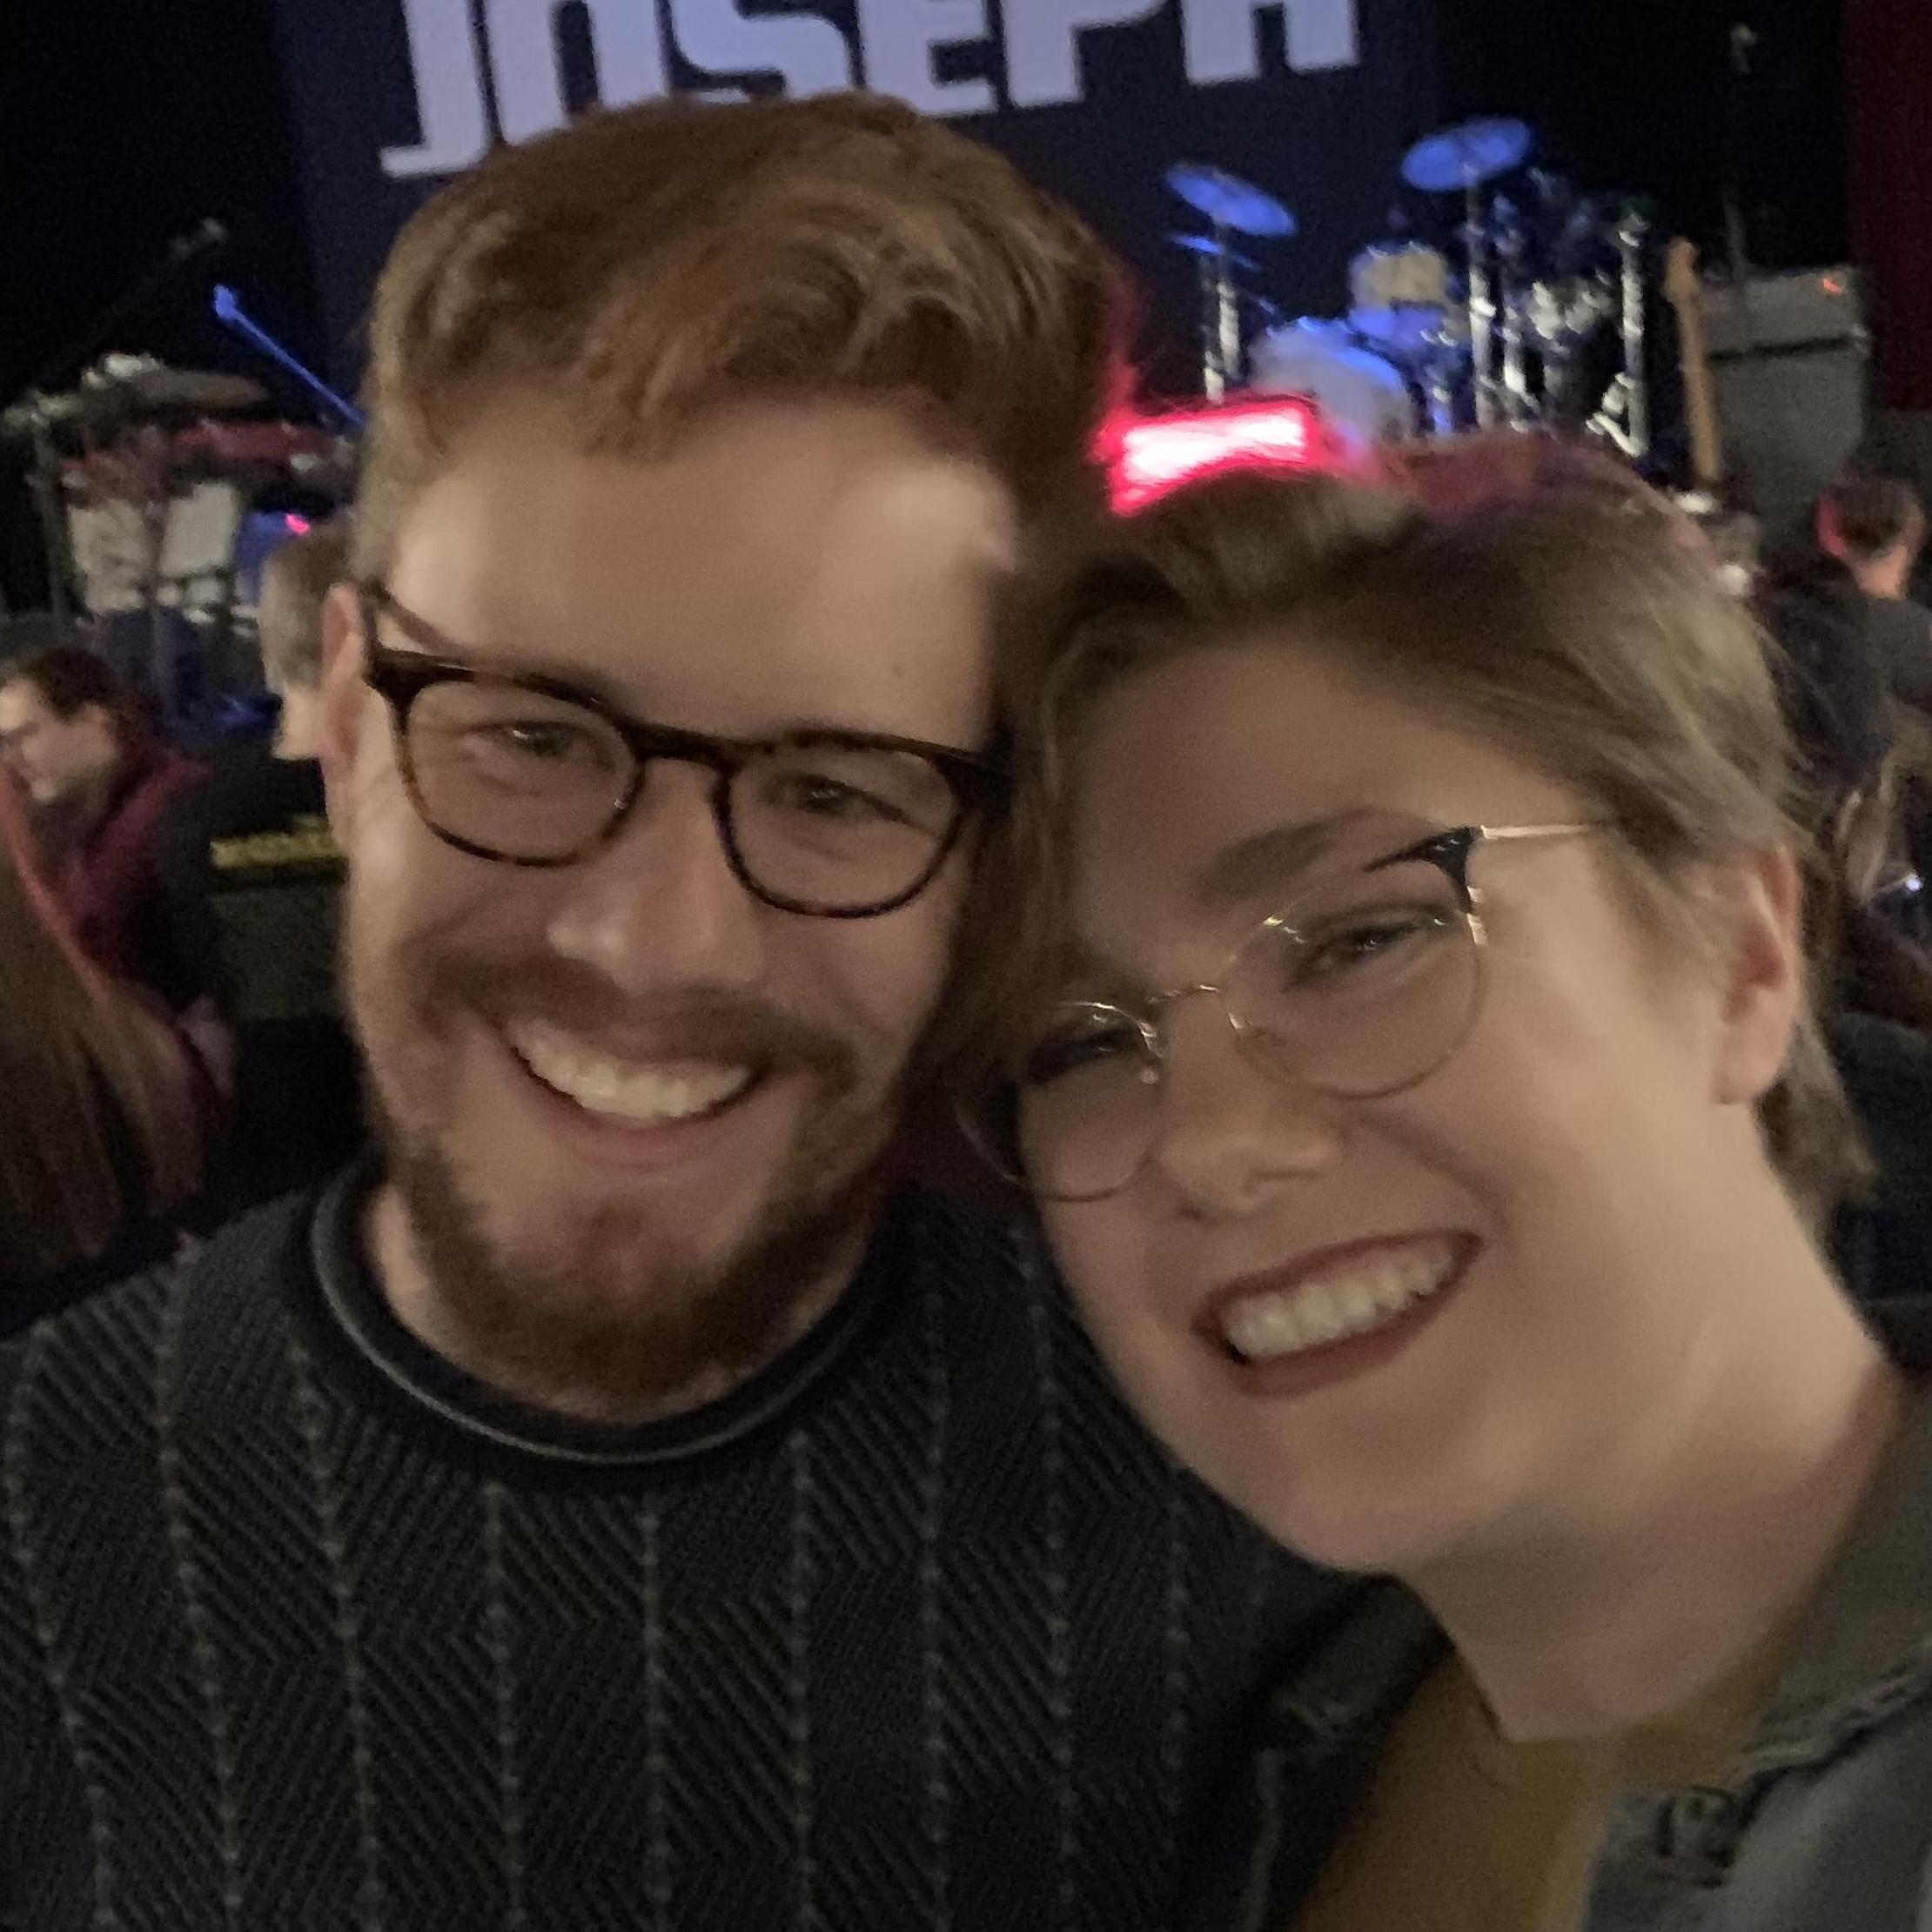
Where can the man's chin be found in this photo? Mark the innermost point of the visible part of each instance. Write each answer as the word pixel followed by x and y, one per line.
pixel 625 1304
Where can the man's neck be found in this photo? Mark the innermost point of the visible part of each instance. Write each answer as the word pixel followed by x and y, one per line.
pixel 1882 578
pixel 408 1284
pixel 298 733
pixel 1677 1564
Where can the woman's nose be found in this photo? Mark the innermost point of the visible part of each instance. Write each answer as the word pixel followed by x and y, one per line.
pixel 1236 1125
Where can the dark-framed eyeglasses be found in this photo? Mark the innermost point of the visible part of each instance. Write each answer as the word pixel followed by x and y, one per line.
pixel 531 771
pixel 1366 985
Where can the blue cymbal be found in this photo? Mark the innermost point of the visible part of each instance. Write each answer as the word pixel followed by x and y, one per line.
pixel 1229 202
pixel 1467 157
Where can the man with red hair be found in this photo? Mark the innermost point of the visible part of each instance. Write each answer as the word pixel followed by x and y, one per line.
pixel 623 1500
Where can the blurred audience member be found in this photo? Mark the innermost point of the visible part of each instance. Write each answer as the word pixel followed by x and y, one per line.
pixel 1837 699
pixel 99 1138
pixel 1867 534
pixel 98 783
pixel 1875 526
pixel 251 878
pixel 296 583
pixel 1852 590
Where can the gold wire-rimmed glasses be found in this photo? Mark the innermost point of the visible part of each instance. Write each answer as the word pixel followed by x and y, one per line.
pixel 1368 983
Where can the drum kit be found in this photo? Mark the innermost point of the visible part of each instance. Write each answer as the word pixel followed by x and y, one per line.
pixel 1506 327
pixel 147 478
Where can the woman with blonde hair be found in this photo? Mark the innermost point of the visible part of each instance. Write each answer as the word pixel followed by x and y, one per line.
pixel 1415 1062
pixel 100 1135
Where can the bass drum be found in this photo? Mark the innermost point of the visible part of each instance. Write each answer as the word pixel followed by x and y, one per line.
pixel 1400 296
pixel 1365 397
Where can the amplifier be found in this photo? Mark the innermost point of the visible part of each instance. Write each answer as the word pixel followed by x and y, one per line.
pixel 1809 308
pixel 1789 359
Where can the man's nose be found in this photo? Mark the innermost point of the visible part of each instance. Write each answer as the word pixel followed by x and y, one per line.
pixel 659 905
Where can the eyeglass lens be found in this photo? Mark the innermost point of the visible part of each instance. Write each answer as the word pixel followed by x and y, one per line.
pixel 1367 986
pixel 527 776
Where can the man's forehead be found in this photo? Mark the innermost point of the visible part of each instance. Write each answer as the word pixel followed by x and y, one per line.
pixel 833 445
pixel 839 571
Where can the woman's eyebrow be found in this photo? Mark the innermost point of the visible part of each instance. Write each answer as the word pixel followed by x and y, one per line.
pixel 1076 971
pixel 1273 858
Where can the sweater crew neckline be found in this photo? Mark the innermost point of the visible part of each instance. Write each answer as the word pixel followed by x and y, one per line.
pixel 401 1375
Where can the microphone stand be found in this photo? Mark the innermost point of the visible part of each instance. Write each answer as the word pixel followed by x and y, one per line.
pixel 1744 41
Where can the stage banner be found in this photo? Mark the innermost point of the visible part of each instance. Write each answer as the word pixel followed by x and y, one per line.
pixel 1311 99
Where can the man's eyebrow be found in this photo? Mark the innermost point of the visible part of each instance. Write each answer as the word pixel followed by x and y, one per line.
pixel 580 681
pixel 494 661
pixel 1273 858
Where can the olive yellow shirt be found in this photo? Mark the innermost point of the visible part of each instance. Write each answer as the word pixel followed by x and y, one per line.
pixel 1463 1831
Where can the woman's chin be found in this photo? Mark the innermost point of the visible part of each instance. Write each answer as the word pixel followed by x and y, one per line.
pixel 1356 1533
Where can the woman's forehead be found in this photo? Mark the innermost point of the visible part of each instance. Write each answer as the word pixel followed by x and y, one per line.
pixel 1122 919
pixel 1213 776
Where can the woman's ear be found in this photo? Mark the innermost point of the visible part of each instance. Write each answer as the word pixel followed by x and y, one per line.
pixel 1763 960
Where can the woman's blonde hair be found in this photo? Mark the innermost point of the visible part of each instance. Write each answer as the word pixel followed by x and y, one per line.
pixel 1588 638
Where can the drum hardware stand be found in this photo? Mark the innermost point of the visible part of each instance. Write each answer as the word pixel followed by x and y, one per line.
pixel 35 417
pixel 1518 406
pixel 1560 377
pixel 1231 207
pixel 1440 382
pixel 1625 417
pixel 1482 309
pixel 1220 319
pixel 163 684
pixel 1737 92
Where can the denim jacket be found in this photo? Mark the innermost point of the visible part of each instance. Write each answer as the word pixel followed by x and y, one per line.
pixel 1825 1824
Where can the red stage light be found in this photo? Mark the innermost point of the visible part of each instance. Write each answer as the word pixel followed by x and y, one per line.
pixel 1147 456
pixel 296 526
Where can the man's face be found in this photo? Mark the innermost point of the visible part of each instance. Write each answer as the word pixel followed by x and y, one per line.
pixel 53 757
pixel 630 1108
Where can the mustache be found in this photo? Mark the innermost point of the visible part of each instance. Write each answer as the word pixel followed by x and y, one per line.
pixel 692 1022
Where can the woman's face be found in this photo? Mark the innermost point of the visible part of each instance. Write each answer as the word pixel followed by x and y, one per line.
pixel 1507 1242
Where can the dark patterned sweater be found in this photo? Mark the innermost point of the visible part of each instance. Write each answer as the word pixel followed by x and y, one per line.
pixel 300 1628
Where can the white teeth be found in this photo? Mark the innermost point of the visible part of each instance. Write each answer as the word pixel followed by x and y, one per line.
pixel 1393 1287
pixel 1321 1312
pixel 1359 1306
pixel 1265 1328
pixel 1264 1325
pixel 640 1096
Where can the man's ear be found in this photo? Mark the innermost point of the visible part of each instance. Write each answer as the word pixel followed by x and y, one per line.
pixel 344 707
pixel 1764 967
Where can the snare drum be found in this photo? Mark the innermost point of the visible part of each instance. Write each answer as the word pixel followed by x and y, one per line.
pixel 1365 398
pixel 1400 295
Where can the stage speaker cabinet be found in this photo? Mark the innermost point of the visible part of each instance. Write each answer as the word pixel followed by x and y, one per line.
pixel 1790 358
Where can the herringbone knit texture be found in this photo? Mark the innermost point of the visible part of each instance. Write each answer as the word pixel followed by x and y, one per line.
pixel 297 1630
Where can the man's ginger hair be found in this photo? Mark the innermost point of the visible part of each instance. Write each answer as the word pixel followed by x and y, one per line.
pixel 651 262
